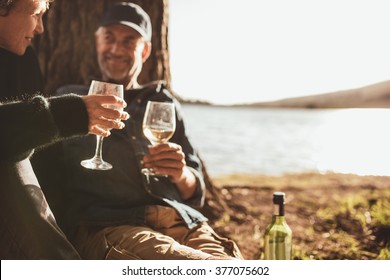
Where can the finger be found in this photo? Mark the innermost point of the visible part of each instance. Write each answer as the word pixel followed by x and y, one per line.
pixel 112 100
pixel 172 173
pixel 166 155
pixel 110 113
pixel 164 147
pixel 124 115
pixel 109 124
pixel 166 163
pixel 99 131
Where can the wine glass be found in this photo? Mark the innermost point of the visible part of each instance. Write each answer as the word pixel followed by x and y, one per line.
pixel 159 124
pixel 97 87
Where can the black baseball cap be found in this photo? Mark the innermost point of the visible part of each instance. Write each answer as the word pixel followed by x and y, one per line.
pixel 131 15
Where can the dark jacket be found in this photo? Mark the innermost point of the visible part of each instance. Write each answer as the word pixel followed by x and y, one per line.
pixel 28 229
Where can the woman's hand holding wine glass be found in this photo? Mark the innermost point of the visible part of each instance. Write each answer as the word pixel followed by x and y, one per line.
pixel 101 125
pixel 100 116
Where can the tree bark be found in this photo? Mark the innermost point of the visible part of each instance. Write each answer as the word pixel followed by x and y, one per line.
pixel 66 50
pixel 215 206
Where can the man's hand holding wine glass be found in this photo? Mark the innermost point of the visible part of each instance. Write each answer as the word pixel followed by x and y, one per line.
pixel 168 159
pixel 165 158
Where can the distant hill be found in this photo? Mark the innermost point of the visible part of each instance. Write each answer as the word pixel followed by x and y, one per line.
pixel 371 96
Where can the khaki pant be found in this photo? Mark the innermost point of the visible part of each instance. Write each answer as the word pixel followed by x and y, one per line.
pixel 164 236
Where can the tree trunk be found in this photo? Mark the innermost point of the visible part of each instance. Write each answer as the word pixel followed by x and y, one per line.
pixel 215 206
pixel 66 50
pixel 67 55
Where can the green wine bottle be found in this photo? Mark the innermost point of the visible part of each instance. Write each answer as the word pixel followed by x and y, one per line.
pixel 278 235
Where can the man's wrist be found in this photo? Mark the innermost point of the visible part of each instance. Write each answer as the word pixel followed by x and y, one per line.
pixel 187 184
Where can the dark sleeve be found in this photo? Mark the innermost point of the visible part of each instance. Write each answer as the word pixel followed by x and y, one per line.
pixel 192 159
pixel 36 122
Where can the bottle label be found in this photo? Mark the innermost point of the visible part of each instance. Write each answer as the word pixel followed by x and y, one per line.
pixel 278 248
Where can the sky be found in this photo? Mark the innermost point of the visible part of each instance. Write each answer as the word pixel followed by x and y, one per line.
pixel 229 52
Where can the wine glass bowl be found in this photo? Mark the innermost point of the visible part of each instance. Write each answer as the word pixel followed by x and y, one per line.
pixel 98 87
pixel 158 125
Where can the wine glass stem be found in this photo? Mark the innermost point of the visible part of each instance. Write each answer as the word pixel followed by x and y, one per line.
pixel 99 145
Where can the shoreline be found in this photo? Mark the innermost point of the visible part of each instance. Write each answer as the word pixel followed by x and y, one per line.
pixel 300 179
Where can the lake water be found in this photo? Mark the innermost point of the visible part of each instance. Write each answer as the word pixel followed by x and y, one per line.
pixel 279 141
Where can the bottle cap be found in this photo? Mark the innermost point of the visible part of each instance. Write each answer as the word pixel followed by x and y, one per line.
pixel 278 197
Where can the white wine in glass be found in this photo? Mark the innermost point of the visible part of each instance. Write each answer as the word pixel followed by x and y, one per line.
pixel 159 124
pixel 97 87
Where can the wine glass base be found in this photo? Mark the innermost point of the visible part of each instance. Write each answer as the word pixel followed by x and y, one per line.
pixel 96 164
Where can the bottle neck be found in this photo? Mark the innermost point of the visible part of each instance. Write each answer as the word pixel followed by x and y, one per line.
pixel 279 209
